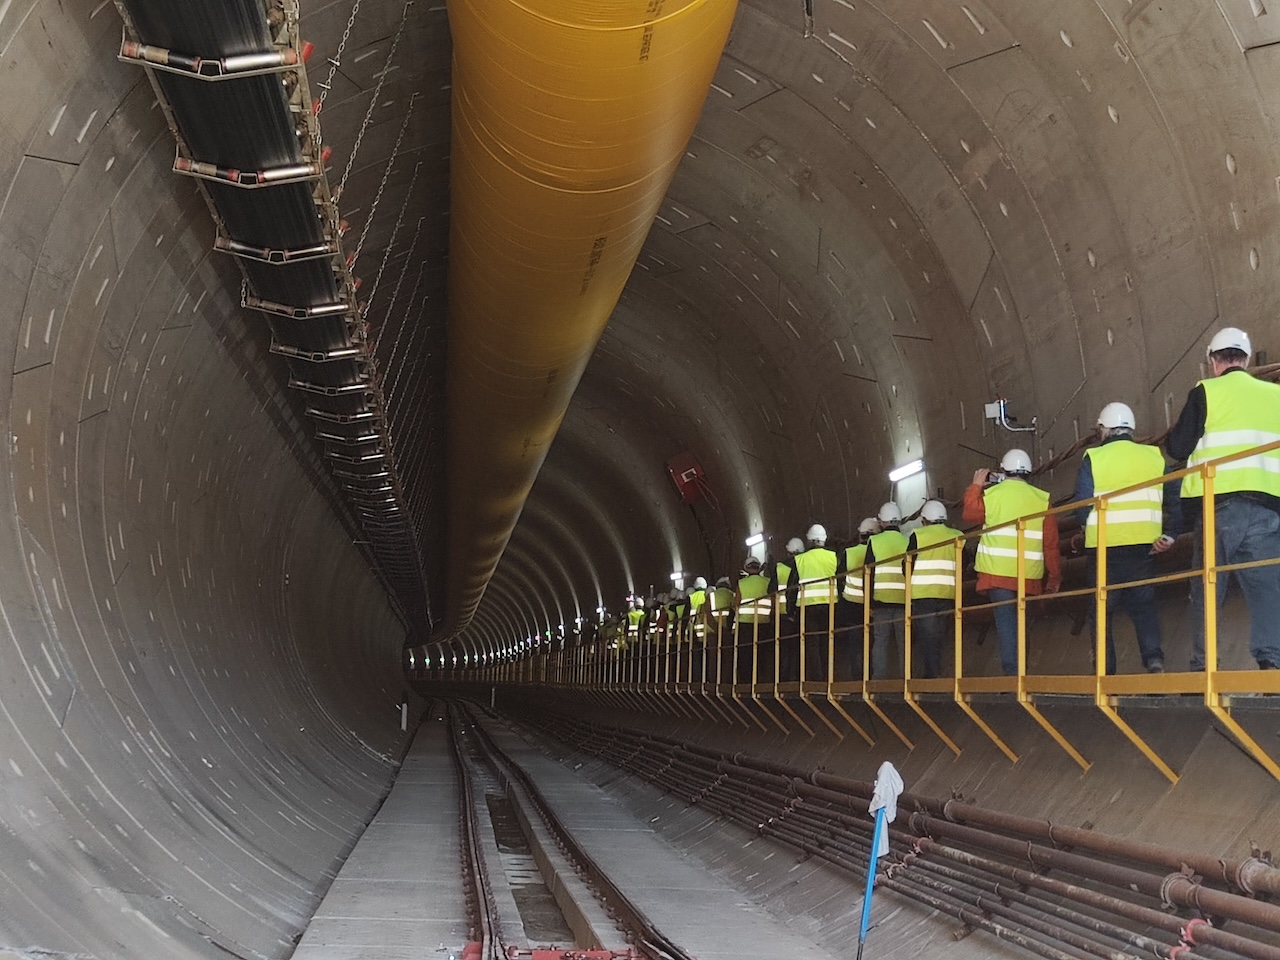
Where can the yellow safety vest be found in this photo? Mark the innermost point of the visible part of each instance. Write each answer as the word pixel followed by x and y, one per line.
pixel 696 599
pixel 1135 517
pixel 933 573
pixel 1243 412
pixel 783 570
pixel 888 585
pixel 815 568
pixel 854 558
pixel 721 601
pixel 1005 502
pixel 634 619
pixel 755 606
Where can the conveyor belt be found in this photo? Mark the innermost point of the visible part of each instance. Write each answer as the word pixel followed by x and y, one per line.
pixel 256 115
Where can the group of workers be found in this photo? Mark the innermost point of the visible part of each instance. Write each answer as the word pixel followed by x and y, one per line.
pixel 1228 414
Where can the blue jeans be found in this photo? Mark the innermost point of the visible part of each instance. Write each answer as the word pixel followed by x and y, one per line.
pixel 1124 565
pixel 1006 628
pixel 931 623
pixel 1247 530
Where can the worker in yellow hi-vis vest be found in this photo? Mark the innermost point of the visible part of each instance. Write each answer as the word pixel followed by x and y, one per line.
pixel 1139 525
pixel 998 500
pixel 1230 413
pixel 850 606
pixel 933 588
pixel 816 570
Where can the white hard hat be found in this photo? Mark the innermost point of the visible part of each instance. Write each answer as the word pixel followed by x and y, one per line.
pixel 935 511
pixel 1016 461
pixel 700 583
pixel 1230 338
pixel 816 534
pixel 889 513
pixel 722 582
pixel 1115 415
pixel 751 561
pixel 795 545
pixel 662 598
pixel 869 525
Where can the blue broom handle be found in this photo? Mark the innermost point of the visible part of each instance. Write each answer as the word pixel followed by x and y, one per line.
pixel 871 876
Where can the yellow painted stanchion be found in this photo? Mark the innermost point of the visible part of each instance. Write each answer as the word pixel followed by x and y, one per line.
pixel 867 696
pixel 910 697
pixel 800 685
pixel 755 672
pixel 804 695
pixel 1024 697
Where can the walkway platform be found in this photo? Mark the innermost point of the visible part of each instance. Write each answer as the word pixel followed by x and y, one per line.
pixel 399 896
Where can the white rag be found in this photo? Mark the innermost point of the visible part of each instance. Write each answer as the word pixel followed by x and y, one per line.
pixel 888 789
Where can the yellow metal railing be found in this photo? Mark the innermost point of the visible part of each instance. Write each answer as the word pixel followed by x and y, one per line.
pixel 709 670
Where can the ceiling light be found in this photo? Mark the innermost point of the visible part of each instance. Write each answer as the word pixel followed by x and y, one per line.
pixel 677 576
pixel 755 539
pixel 906 470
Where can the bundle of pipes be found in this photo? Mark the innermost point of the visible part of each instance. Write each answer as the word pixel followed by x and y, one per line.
pixel 1108 897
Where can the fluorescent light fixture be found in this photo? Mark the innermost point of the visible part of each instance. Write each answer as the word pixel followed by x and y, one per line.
pixel 906 470
pixel 755 539
pixel 677 576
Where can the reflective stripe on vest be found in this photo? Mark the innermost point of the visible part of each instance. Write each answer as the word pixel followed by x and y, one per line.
pixel 933 573
pixel 815 568
pixel 756 605
pixel 697 599
pixel 721 601
pixel 783 571
pixel 998 549
pixel 854 558
pixel 633 621
pixel 1243 412
pixel 888 584
pixel 1135 517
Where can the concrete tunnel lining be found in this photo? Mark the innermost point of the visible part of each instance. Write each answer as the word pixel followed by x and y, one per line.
pixel 199 716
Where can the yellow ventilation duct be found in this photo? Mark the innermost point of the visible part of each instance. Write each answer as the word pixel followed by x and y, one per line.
pixel 569 118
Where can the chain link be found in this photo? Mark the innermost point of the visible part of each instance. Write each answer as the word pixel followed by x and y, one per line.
pixel 373 101
pixel 334 63
pixel 386 175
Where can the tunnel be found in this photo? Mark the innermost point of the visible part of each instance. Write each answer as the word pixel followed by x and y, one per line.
pixel 255 526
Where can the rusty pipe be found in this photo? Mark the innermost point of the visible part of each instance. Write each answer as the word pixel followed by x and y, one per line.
pixel 1176 889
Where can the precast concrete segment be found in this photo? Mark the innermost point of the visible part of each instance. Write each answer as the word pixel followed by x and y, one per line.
pixel 693 908
pixel 198 711
pixel 399 895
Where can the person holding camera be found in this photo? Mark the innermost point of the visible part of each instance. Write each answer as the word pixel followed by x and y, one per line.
pixel 997 500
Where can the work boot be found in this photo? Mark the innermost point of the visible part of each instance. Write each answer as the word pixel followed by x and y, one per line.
pixel 1155 666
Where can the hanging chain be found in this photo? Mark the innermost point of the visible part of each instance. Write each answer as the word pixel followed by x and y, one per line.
pixel 336 61
pixel 373 101
pixel 386 255
pixel 386 175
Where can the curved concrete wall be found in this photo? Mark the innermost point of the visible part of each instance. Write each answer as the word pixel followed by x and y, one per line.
pixel 198 709
pixel 887 217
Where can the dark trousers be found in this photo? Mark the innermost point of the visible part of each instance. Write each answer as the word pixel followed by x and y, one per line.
pixel 1126 564
pixel 789 648
pixel 817 627
pixel 932 621
pixel 849 644
pixel 747 633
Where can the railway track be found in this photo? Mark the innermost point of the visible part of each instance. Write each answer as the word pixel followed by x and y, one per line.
pixel 531 886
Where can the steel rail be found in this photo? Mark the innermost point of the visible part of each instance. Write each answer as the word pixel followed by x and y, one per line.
pixel 647 935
